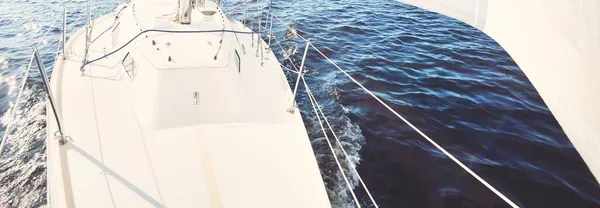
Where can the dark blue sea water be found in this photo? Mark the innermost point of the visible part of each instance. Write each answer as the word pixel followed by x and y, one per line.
pixel 452 81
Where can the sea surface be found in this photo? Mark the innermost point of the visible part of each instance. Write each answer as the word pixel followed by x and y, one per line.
pixel 450 80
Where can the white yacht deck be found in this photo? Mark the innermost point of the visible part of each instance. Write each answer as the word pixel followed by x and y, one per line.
pixel 189 132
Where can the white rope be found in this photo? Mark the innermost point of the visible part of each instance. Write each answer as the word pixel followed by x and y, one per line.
pixel 340 144
pixel 506 199
pixel 337 161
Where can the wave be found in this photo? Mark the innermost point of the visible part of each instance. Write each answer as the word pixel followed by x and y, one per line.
pixel 23 164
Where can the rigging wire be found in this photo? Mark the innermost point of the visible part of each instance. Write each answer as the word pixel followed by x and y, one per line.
pixel 311 96
pixel 340 144
pixel 337 161
pixel 490 187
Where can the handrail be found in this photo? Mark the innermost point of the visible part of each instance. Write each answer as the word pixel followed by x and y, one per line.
pixel 163 31
pixel 439 147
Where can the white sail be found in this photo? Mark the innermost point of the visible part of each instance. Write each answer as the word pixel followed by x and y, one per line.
pixel 557 45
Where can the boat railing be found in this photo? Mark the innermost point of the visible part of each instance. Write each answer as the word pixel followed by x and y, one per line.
pixel 271 18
